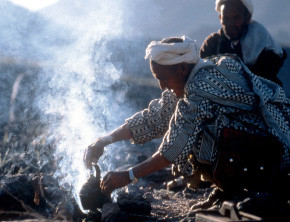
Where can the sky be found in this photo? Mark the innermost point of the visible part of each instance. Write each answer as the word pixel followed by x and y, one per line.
pixel 273 14
pixel 34 5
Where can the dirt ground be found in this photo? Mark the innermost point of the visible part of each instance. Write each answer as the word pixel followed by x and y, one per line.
pixel 168 202
pixel 151 194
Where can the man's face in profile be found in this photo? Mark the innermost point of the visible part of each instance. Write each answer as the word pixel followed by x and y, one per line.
pixel 169 77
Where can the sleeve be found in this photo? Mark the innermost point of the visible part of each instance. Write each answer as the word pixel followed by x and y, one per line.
pixel 180 139
pixel 209 46
pixel 152 123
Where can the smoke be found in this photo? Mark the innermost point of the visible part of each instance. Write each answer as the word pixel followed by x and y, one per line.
pixel 71 61
pixel 78 67
pixel 82 87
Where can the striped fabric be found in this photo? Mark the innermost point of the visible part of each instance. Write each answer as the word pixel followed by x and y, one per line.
pixel 225 94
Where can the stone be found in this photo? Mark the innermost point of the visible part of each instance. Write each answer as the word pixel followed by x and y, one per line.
pixel 111 213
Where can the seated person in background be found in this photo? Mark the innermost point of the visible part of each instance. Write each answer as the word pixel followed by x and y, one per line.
pixel 246 38
pixel 200 100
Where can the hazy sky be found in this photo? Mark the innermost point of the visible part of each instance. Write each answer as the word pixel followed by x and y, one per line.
pixel 196 18
pixel 199 18
pixel 34 5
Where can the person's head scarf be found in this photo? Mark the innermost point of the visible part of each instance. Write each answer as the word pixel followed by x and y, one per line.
pixel 247 3
pixel 173 53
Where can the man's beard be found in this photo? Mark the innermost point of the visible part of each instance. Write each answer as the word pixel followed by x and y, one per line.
pixel 235 33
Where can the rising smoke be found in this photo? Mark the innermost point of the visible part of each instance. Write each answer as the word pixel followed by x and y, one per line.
pixel 76 67
pixel 71 62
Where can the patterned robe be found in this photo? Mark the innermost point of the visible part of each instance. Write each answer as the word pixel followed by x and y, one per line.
pixel 258 50
pixel 220 92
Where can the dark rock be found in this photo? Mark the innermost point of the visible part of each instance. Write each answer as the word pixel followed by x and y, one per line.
pixel 16 192
pixel 149 196
pixel 265 205
pixel 111 213
pixel 176 184
pixel 135 207
pixel 93 216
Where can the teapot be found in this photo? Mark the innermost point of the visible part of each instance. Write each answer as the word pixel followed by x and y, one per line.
pixel 91 195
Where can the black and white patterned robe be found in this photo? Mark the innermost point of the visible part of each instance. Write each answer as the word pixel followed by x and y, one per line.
pixel 220 92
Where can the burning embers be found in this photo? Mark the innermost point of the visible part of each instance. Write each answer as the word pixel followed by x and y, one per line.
pixel 28 188
pixel 36 196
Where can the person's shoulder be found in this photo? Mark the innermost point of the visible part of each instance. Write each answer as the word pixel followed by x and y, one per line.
pixel 213 36
pixel 218 59
pixel 257 27
pixel 217 64
pixel 258 37
pixel 230 63
pixel 210 44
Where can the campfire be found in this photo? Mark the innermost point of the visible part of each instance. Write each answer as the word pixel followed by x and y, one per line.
pixel 28 187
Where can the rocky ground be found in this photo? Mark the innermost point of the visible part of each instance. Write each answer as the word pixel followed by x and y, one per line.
pixel 150 200
pixel 169 202
pixel 155 198
pixel 29 191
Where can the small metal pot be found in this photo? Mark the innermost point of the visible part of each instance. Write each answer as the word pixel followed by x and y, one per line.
pixel 91 195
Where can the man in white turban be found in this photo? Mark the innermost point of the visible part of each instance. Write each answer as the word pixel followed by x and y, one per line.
pixel 200 100
pixel 246 38
pixel 170 54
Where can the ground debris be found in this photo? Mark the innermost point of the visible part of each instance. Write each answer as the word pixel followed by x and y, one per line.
pixel 29 190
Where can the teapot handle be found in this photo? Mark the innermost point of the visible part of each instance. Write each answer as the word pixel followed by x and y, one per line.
pixel 98 172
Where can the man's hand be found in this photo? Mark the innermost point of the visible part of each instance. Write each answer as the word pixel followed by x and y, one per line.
pixel 93 151
pixel 114 180
pixel 96 150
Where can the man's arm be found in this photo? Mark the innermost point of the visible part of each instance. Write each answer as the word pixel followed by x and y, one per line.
pixel 152 123
pixel 114 180
pixel 210 46
pixel 142 127
pixel 96 149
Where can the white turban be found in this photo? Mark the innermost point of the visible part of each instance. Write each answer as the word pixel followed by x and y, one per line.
pixel 248 3
pixel 173 53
